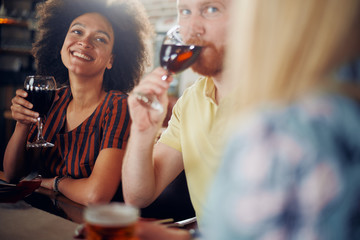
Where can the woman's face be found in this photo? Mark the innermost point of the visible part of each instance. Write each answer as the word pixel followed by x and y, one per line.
pixel 88 45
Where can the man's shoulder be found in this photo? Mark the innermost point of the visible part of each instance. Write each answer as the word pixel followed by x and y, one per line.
pixel 196 88
pixel 193 96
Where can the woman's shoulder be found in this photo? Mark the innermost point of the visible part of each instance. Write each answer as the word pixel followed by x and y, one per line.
pixel 328 109
pixel 299 135
pixel 115 98
pixel 331 110
pixel 315 122
pixel 63 94
pixel 116 95
pixel 63 91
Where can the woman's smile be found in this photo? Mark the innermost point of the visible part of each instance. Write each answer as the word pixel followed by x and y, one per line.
pixel 82 56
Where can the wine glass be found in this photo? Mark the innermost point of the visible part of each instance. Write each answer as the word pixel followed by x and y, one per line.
pixel 41 93
pixel 175 56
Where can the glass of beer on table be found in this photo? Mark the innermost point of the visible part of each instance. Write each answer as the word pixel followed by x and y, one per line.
pixel 115 221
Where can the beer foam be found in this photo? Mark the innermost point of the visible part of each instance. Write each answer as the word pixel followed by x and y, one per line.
pixel 113 214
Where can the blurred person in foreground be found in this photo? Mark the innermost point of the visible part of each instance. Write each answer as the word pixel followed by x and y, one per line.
pixel 97 49
pixel 186 143
pixel 292 169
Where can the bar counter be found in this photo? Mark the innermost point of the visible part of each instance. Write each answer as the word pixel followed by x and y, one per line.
pixel 44 214
pixel 22 221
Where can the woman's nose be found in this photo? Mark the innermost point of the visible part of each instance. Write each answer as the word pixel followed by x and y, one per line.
pixel 85 42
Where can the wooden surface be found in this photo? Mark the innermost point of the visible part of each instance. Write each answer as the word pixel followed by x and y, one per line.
pixel 22 221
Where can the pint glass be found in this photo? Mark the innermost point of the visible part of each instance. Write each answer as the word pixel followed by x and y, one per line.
pixel 114 221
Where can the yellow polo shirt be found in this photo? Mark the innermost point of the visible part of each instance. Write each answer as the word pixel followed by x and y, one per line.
pixel 190 132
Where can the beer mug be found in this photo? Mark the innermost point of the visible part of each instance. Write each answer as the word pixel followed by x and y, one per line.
pixel 115 221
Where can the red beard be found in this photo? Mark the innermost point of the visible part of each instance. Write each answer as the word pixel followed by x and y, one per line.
pixel 210 60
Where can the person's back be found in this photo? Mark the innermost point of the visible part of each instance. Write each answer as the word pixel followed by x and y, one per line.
pixel 303 161
pixel 292 169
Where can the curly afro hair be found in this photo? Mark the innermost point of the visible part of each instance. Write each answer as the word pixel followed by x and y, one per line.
pixel 131 28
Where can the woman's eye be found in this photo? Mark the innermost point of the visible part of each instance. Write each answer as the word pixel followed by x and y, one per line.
pixel 102 40
pixel 76 31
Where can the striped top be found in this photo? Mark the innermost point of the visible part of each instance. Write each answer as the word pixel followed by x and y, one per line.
pixel 75 152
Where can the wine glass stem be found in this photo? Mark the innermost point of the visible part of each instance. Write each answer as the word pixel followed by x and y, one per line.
pixel 151 100
pixel 40 129
pixel 165 77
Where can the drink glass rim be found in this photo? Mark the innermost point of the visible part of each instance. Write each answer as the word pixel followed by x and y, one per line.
pixel 111 214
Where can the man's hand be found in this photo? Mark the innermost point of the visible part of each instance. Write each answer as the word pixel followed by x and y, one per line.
pixel 156 231
pixel 144 117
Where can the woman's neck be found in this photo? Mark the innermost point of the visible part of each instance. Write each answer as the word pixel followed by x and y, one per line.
pixel 86 92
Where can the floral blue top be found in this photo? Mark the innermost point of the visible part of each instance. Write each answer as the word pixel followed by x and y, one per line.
pixel 291 173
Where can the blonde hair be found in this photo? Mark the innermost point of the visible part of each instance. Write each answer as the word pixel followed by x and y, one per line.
pixel 280 49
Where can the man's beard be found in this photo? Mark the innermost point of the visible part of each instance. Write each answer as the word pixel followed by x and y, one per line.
pixel 210 64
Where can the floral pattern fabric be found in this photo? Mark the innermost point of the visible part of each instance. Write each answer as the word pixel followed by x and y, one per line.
pixel 291 173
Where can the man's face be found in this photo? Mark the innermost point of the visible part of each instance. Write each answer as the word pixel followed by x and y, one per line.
pixel 204 22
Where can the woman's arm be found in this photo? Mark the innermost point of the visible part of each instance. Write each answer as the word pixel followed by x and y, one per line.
pixel 15 163
pixel 100 186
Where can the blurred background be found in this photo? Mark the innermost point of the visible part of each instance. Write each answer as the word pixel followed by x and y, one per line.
pixel 18 31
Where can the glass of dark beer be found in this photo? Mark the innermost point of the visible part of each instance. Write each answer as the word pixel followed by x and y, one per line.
pixel 175 56
pixel 41 93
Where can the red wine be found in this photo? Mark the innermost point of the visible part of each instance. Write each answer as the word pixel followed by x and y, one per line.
pixel 41 99
pixel 176 58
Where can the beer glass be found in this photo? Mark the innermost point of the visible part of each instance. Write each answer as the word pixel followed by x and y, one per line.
pixel 113 221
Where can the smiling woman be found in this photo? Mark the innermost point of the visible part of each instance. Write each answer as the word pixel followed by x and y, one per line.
pixel 130 26
pixel 87 49
pixel 97 51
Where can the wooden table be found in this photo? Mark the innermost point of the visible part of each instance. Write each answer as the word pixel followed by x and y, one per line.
pixel 23 221
pixel 41 215
pixel 45 215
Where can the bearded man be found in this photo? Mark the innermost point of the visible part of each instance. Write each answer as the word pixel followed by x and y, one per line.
pixel 187 142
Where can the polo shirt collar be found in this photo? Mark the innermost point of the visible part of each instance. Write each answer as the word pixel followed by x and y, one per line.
pixel 209 90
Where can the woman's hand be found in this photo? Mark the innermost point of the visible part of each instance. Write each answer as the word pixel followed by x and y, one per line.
pixel 20 109
pixel 144 117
